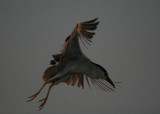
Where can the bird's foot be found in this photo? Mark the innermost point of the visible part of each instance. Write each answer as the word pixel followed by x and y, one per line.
pixel 32 97
pixel 35 95
pixel 43 103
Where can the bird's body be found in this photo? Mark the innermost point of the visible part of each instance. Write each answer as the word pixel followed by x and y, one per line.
pixel 50 72
pixel 83 66
pixel 72 67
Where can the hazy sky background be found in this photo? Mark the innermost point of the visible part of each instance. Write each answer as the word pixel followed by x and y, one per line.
pixel 127 44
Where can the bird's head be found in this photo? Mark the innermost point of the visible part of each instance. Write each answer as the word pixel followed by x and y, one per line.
pixel 100 72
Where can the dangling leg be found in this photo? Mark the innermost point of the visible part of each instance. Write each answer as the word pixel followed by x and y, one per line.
pixel 57 82
pixel 45 99
pixel 35 95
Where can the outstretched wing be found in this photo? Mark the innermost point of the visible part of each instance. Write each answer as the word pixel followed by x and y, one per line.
pixel 82 31
pixel 79 79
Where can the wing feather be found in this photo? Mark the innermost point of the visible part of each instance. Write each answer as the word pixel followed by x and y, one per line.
pixel 79 80
pixel 75 80
pixel 82 30
pixel 91 21
pixel 88 81
pixel 69 80
pixel 79 83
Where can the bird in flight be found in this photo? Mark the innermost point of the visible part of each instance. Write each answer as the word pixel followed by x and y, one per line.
pixel 72 67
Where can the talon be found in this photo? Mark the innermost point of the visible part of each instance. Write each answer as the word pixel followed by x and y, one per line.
pixel 35 95
pixel 42 105
pixel 32 97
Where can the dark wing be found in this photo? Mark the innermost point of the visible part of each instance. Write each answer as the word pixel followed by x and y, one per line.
pixel 82 31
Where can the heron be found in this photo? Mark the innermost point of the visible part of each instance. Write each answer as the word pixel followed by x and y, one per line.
pixel 72 66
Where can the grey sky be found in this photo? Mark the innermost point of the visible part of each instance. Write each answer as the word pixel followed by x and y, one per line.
pixel 127 44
